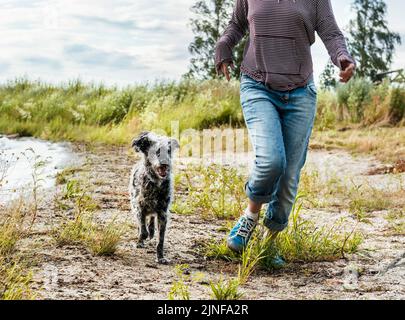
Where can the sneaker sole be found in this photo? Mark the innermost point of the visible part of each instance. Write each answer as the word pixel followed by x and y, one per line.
pixel 232 247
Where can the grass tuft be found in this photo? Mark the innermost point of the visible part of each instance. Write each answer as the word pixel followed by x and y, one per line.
pixel 15 281
pixel 180 289
pixel 396 220
pixel 303 241
pixel 101 240
pixel 226 290
pixel 213 191
pixel 104 240
pixel 15 277
pixel 11 230
pixel 63 176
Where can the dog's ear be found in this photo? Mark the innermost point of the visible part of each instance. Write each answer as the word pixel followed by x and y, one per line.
pixel 142 143
pixel 174 144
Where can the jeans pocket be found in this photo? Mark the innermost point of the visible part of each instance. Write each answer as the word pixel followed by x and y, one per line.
pixel 244 78
pixel 247 82
pixel 311 87
pixel 244 82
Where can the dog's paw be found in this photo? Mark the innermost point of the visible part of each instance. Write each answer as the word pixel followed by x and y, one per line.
pixel 140 245
pixel 163 261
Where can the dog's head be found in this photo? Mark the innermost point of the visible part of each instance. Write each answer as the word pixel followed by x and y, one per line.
pixel 158 152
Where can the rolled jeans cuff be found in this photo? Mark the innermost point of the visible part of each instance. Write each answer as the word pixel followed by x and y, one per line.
pixel 256 198
pixel 273 225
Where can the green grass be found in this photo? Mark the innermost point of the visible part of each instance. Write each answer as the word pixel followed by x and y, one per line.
pixel 15 281
pixel 94 113
pixel 16 224
pixel 219 289
pixel 105 239
pixel 75 231
pixel 217 192
pixel 387 144
pixel 83 229
pixel 11 229
pixel 226 290
pixel 180 288
pixel 255 252
pixel 343 193
pixel 303 241
pixel 15 275
pixel 396 220
pixel 76 111
pixel 212 191
pixel 63 176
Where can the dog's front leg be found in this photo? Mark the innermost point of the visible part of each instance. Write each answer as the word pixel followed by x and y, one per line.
pixel 143 232
pixel 162 225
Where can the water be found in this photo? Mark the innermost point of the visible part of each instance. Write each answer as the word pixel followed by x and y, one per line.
pixel 18 158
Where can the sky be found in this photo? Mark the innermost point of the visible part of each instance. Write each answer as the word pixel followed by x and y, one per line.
pixel 119 42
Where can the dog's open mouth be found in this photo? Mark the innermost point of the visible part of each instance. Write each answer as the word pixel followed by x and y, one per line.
pixel 163 170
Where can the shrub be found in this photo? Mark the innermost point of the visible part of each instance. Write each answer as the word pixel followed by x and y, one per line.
pixel 113 108
pixel 397 104
pixel 354 96
pixel 328 111
pixel 378 108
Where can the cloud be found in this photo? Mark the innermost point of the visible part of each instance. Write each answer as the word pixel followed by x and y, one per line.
pixel 40 62
pixel 106 22
pixel 120 41
pixel 120 24
pixel 4 67
pixel 21 3
pixel 90 56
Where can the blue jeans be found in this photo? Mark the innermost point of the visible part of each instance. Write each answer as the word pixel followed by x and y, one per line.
pixel 280 125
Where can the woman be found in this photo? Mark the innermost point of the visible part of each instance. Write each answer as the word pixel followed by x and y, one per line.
pixel 278 97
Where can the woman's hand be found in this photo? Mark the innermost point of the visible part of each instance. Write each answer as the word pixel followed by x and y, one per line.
pixel 347 71
pixel 225 69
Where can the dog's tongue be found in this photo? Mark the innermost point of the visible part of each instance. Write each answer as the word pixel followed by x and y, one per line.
pixel 162 171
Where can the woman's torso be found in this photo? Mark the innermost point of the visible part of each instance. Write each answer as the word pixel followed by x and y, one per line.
pixel 281 34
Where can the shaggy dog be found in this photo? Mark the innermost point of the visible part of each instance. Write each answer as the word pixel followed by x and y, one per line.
pixel 151 187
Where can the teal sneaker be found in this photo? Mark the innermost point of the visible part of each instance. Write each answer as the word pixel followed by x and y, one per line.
pixel 278 262
pixel 240 234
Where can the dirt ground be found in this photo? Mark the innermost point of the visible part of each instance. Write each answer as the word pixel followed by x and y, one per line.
pixel 377 271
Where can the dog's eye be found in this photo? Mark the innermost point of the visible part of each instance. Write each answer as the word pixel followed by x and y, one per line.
pixel 158 153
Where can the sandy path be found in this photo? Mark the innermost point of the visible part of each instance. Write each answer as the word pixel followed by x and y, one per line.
pixel 377 271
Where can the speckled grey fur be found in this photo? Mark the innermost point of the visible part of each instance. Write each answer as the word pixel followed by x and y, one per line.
pixel 151 193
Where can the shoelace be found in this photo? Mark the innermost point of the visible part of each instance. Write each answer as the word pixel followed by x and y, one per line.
pixel 246 227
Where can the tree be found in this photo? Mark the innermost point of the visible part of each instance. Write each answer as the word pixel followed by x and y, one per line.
pixel 328 76
pixel 212 17
pixel 371 42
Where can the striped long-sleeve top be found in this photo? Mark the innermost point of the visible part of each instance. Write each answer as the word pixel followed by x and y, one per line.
pixel 281 32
